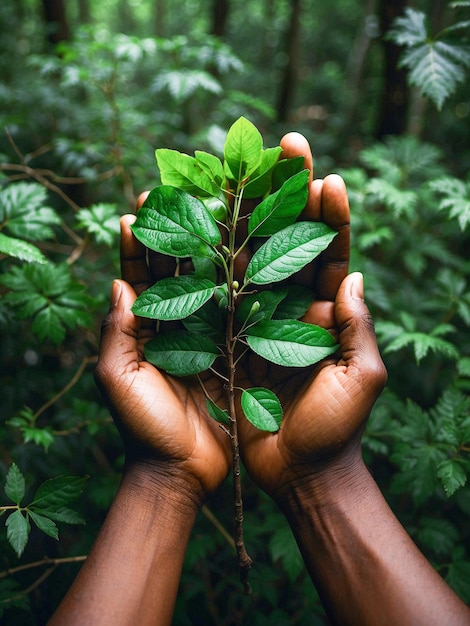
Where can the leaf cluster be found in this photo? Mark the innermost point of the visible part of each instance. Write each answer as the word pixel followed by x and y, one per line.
pixel 199 204
pixel 48 506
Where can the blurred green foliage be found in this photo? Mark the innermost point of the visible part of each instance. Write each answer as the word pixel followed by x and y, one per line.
pixel 80 123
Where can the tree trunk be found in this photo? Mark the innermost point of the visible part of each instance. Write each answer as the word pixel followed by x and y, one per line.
pixel 56 21
pixel 84 12
pixel 160 18
pixel 394 108
pixel 220 11
pixel 289 77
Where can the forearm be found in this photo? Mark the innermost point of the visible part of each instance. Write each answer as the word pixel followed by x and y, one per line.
pixel 363 563
pixel 132 573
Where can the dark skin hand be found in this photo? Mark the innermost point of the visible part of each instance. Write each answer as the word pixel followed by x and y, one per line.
pixel 364 565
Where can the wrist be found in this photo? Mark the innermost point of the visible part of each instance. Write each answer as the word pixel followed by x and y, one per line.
pixel 163 483
pixel 323 487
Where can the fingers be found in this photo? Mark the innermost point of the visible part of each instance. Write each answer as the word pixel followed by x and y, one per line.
pixel 295 145
pixel 357 336
pixel 332 265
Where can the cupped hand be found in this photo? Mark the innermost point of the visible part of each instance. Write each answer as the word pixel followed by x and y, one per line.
pixel 162 420
pixel 325 406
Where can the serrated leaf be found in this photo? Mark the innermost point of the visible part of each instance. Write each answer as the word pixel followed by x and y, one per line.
pixel 18 530
pixel 181 353
pixel 45 524
pixel 281 208
pixel 174 298
pixel 56 492
pixel 288 251
pixel 452 475
pixel 60 514
pixel 175 223
pixel 243 149
pixel 262 408
pixel 19 249
pixel 290 343
pixel 15 484
pixel 24 214
pixel 187 173
pixel 218 414
pixel 101 221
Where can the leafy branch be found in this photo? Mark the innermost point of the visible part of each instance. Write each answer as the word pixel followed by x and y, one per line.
pixel 197 212
pixel 436 64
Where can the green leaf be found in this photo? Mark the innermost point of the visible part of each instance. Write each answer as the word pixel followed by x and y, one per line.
pixel 45 524
pixel 56 492
pixel 268 302
pixel 212 168
pixel 243 149
pixel 187 173
pixel 281 208
pixel 20 249
pixel 261 179
pixel 208 321
pixel 452 475
pixel 285 169
pixel 60 514
pixel 296 303
pixel 24 214
pixel 173 222
pixel 262 408
pixel 18 530
pixel 288 251
pixel 15 484
pixel 101 221
pixel 174 298
pixel 218 414
pixel 290 343
pixel 181 353
pixel 455 198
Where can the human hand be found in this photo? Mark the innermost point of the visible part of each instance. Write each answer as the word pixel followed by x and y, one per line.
pixel 163 420
pixel 325 406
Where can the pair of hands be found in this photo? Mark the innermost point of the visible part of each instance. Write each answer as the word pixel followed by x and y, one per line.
pixel 163 420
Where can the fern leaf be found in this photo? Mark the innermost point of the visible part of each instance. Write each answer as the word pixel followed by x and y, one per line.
pixel 456 198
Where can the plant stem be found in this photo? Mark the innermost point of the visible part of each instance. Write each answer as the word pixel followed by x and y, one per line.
pixel 244 559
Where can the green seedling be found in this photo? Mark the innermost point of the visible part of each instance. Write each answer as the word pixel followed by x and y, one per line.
pixel 200 212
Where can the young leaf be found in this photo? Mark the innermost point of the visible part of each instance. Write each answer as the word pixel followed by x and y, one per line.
pixel 15 484
pixel 18 530
pixel 174 298
pixel 220 415
pixel 20 249
pixel 181 353
pixel 45 524
pixel 285 169
pixel 261 180
pixel 290 343
pixel 268 302
pixel 281 208
pixel 212 167
pixel 243 149
pixel 262 408
pixel 175 223
pixel 185 172
pixel 288 251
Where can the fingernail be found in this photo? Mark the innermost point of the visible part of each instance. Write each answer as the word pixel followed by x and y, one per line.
pixel 116 289
pixel 357 287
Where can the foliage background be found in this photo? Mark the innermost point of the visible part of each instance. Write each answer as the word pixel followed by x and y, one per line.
pixel 86 96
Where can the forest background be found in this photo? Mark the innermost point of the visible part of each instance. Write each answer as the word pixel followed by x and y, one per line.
pixel 88 91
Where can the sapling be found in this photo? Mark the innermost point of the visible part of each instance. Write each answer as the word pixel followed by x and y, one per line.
pixel 200 213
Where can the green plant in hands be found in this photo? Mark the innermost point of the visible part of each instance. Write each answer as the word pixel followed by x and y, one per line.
pixel 227 306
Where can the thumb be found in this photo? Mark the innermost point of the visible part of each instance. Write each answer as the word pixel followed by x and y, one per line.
pixel 118 345
pixel 357 338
